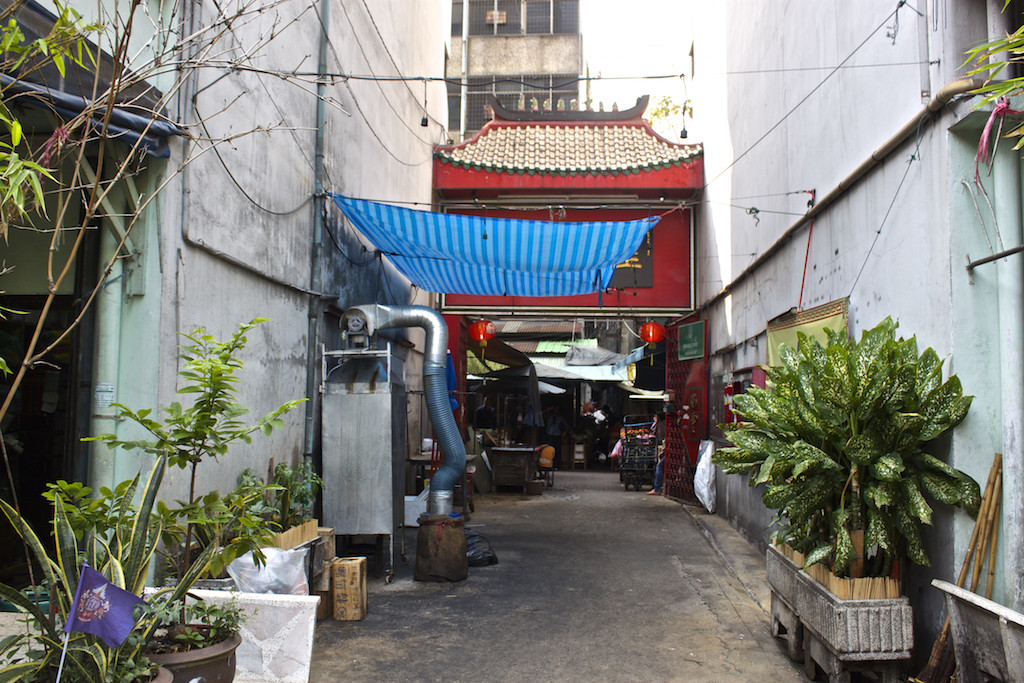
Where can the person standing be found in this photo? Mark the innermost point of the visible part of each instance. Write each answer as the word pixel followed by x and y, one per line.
pixel 484 417
pixel 554 427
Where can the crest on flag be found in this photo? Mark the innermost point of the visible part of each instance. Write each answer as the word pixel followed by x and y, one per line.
pixel 102 609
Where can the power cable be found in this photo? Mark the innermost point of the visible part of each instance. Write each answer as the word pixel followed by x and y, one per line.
pixel 910 162
pixel 807 96
pixel 362 51
pixel 366 119
pixel 395 63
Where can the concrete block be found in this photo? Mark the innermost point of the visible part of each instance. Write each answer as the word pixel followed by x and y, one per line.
pixel 277 637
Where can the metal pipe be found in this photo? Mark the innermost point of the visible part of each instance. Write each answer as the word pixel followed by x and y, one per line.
pixel 367 320
pixel 316 257
pixel 912 127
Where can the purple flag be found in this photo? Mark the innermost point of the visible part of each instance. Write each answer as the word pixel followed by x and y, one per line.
pixel 102 609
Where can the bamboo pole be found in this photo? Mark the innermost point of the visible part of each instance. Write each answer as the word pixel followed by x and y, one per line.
pixel 987 527
pixel 937 660
pixel 992 553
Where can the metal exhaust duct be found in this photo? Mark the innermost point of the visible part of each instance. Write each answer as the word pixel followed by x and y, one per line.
pixel 367 320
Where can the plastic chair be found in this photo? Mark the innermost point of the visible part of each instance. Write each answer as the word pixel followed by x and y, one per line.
pixel 546 466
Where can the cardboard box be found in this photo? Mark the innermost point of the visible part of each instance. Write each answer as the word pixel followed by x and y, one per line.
pixel 348 584
pixel 325 608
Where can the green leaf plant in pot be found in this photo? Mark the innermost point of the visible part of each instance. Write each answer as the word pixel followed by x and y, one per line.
pixel 118 540
pixel 290 496
pixel 230 524
pixel 839 440
pixel 121 538
pixel 205 430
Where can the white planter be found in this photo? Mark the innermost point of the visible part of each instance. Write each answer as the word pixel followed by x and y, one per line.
pixel 837 635
pixel 277 637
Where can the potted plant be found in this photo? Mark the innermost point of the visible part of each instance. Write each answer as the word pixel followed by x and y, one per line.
pixel 204 431
pixel 120 539
pixel 231 524
pixel 839 443
pixel 288 501
pixel 119 542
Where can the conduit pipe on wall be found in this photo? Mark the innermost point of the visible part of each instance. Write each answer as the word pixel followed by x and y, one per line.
pixel 912 128
pixel 367 320
pixel 314 310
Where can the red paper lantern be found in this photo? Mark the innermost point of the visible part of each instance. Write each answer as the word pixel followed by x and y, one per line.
pixel 652 332
pixel 481 331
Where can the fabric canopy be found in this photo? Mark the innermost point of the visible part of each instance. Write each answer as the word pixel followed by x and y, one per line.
pixel 460 254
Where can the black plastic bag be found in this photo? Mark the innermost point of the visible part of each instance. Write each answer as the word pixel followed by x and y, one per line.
pixel 479 552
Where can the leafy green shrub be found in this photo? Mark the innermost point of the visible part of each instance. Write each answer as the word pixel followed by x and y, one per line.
pixel 838 441
pixel 204 431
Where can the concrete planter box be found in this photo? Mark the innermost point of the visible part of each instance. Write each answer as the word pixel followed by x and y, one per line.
pixel 839 636
pixel 988 638
pixel 277 637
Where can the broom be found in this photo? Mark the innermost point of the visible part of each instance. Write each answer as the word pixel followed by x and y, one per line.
pixel 940 663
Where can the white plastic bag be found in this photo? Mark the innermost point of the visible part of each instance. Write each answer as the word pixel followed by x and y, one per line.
pixel 284 572
pixel 704 477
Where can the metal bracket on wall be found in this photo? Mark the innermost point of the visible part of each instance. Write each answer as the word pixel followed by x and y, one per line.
pixel 971 265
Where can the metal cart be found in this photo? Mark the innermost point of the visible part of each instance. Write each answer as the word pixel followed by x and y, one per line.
pixel 639 451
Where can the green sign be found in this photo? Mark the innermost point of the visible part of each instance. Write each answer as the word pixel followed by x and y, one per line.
pixel 691 340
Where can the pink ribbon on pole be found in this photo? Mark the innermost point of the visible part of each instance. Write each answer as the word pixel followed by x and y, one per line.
pixel 1001 109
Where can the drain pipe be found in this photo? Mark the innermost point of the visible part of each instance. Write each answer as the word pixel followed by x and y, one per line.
pixel 367 320
pixel 316 256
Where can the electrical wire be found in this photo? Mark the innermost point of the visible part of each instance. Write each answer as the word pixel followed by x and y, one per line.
pixel 806 97
pixel 581 79
pixel 362 51
pixel 395 64
pixel 344 252
pixel 910 162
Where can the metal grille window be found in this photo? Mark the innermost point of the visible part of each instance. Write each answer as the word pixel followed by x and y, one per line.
pixel 457 18
pixel 516 17
pixel 454 107
pixel 510 90
pixel 567 16
pixel 538 17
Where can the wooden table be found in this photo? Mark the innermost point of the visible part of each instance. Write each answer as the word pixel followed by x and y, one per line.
pixel 513 465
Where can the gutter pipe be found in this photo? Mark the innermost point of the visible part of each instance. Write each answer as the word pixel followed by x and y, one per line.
pixel 368 319
pixel 312 333
pixel 912 127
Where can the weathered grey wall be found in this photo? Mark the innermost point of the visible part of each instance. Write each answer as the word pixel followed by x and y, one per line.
pixel 794 96
pixel 231 235
pixel 512 55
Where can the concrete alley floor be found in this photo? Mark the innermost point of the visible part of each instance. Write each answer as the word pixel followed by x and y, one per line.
pixel 593 583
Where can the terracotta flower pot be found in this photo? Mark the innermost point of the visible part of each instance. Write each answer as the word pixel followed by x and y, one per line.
pixel 213 664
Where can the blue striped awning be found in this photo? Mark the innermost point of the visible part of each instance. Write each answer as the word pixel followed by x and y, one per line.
pixel 460 254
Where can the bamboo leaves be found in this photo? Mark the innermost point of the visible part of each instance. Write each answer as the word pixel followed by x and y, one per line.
pixel 838 443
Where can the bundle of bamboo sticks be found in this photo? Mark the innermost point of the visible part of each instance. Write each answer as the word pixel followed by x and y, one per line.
pixel 941 663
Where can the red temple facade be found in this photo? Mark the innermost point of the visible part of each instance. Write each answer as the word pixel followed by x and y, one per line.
pixel 578 166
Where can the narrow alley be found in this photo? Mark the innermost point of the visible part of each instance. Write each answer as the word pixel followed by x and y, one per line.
pixel 593 583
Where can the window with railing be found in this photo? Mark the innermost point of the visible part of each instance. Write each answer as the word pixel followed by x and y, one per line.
pixel 517 17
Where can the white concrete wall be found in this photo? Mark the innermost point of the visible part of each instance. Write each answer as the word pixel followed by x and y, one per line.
pixel 230 236
pixel 777 118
